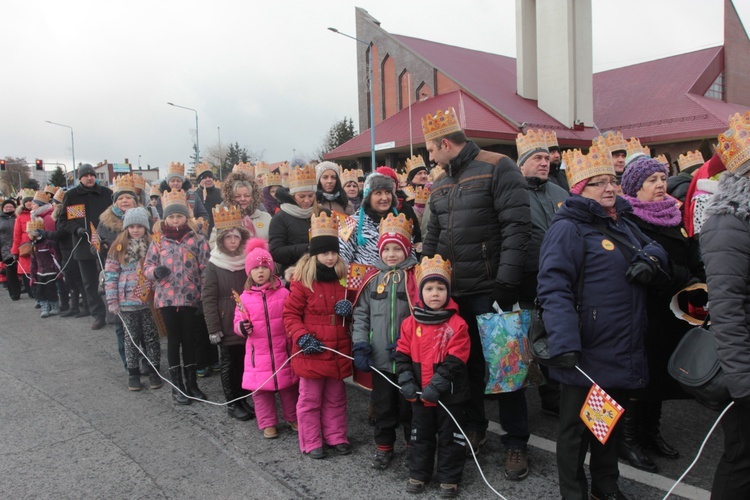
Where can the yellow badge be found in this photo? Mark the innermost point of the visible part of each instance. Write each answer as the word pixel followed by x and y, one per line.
pixel 608 245
pixel 119 248
pixel 559 204
pixel 684 233
pixel 190 256
pixel 258 224
pixel 381 287
pixel 419 331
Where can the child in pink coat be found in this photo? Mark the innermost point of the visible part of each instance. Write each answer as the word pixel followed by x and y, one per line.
pixel 268 345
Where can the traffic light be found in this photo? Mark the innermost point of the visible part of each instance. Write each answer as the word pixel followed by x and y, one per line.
pixel 40 165
pixel 2 165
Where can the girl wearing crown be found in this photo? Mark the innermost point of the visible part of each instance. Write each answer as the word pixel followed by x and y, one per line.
pixel 312 321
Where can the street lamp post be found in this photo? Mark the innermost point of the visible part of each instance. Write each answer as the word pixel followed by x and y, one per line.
pixel 372 96
pixel 139 162
pixel 72 150
pixel 197 147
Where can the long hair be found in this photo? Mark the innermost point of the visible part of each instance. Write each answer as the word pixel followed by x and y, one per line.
pixel 119 249
pixel 305 271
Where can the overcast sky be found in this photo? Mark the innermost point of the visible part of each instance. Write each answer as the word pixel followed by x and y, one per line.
pixel 268 74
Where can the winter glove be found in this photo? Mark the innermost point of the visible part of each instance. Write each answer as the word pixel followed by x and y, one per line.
pixel 8 261
pixel 343 308
pixel 80 232
pixel 697 298
pixel 309 344
pixel 362 359
pixel 408 387
pixel 565 360
pixel 246 328
pixel 114 309
pixel 437 386
pixel 215 338
pixel 643 269
pixel 392 348
pixel 161 272
pixel 505 297
pixel 37 234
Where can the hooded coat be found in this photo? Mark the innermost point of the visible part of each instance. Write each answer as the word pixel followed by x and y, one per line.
pixel 110 226
pixel 256 221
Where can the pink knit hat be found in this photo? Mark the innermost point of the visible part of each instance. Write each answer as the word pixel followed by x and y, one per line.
pixel 257 255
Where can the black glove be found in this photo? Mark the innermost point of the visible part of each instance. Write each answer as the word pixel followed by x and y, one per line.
pixel 505 297
pixel 643 269
pixel 408 387
pixel 438 385
pixel 8 261
pixel 161 272
pixel 80 232
pixel 392 347
pixel 309 344
pixel 697 298
pixel 246 328
pixel 743 402
pixel 565 360
pixel 362 359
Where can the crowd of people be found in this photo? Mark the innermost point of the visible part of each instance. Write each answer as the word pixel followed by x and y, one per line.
pixel 250 277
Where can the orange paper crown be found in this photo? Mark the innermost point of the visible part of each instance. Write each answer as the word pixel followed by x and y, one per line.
pixel 284 168
pixel 611 141
pixel 396 225
pixel 421 195
pixel 35 224
pixel 734 144
pixel 580 167
pixel 244 167
pixel 360 173
pixel 440 124
pixel 201 168
pixel 531 141
pixel 41 196
pixel 272 179
pixel 663 160
pixel 302 179
pixel 154 191
pixel 415 161
pixel 176 168
pixel 59 195
pixel 432 268
pixel 123 183
pixel 262 168
pixel 692 158
pixel 324 225
pixel 550 138
pixel 138 181
pixel 27 193
pixel 348 176
pixel 227 217
pixel 436 173
pixel 633 147
pixel 174 198
pixel 402 178
pixel 51 190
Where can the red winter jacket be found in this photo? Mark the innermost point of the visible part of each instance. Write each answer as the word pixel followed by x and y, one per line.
pixel 307 311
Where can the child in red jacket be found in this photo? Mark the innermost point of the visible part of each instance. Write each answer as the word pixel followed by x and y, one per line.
pixel 431 354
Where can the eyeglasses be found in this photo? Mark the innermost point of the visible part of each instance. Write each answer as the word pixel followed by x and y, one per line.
pixel 603 184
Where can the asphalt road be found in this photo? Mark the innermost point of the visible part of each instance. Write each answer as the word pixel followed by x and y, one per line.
pixel 69 428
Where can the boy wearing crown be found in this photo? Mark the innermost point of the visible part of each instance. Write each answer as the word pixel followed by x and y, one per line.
pixel 431 357
pixel 383 302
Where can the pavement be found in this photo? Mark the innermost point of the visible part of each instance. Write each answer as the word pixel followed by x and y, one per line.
pixel 69 428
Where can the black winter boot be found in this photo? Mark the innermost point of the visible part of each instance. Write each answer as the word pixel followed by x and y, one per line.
pixel 652 438
pixel 191 383
pixel 175 373
pixel 134 380
pixel 630 443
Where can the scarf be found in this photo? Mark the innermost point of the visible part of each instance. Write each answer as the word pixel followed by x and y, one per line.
pixel 659 213
pixel 428 316
pixel 296 211
pixel 136 250
pixel 330 196
pixel 270 202
pixel 118 213
pixel 325 273
pixel 228 262
pixel 174 233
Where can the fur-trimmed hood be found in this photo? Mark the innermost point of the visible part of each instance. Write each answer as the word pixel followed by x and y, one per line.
pixel 284 196
pixel 20 209
pixel 164 186
pixel 732 197
pixel 244 236
pixel 228 196
pixel 111 221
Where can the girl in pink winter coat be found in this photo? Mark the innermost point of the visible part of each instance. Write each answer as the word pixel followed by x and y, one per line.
pixel 268 346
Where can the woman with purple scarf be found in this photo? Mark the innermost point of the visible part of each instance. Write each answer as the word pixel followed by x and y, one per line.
pixel 657 215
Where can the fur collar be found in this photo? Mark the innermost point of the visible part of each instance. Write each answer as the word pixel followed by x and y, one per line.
pixel 110 220
pixel 732 197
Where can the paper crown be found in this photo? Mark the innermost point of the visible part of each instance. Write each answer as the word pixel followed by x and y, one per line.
pixel 227 217
pixel 36 224
pixel 41 196
pixel 284 168
pixel 262 168
pixel 435 267
pixel 734 144
pixel 174 198
pixel 217 184
pixel 692 158
pixel 51 190
pixel 323 225
pixel 611 141
pixel 360 173
pixel 244 167
pixel 27 193
pixel 176 168
pixel 202 168
pixel 633 146
pixel 59 195
pixel 421 195
pixel 580 167
pixel 138 181
pixel 415 161
pixel 272 179
pixel 348 176
pixel 436 173
pixel 526 143
pixel 402 178
pixel 123 183
pixel 302 179
pixel 550 138
pixel 154 191
pixel 663 160
pixel 440 124
pixel 396 225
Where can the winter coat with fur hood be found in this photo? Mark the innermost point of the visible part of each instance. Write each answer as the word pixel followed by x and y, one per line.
pixel 110 226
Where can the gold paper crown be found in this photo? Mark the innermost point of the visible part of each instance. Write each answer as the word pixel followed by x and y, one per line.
pixel 262 168
pixel 41 196
pixel 550 138
pixel 324 225
pixel 138 181
pixel 633 146
pixel 360 173
pixel 154 191
pixel 244 167
pixel 35 224
pixel 51 190
pixel 174 198
pixel 692 158
pixel 734 144
pixel 433 267
pixel 227 217
pixel 662 159
pixel 217 184
pixel 415 161
pixel 396 225
pixel 272 179
pixel 580 167
pixel 124 183
pixel 402 178
pixel 201 168
pixel 529 142
pixel 441 124
pixel 302 179
pixel 59 195
pixel 611 141
pixel 176 168
pixel 27 193
pixel 437 173
pixel 421 195
pixel 348 176
pixel 284 168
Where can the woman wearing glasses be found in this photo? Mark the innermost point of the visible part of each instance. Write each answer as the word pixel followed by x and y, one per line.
pixel 602 331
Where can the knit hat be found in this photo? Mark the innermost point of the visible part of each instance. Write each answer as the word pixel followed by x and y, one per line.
pixel 324 234
pixel 86 169
pixel 9 201
pixel 321 167
pixel 396 229
pixel 257 255
pixel 374 182
pixel 637 172
pixel 414 165
pixel 137 215
pixel 175 202
pixel 176 208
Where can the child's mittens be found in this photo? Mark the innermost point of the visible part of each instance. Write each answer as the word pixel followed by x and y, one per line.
pixel 392 347
pixel 309 344
pixel 215 337
pixel 437 386
pixel 362 359
pixel 408 387
pixel 161 272
pixel 246 328
pixel 343 308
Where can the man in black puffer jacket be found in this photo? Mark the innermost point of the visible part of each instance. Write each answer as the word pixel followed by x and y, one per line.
pixel 481 222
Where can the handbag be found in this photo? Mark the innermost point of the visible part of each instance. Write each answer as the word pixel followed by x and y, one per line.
pixel 695 365
pixel 24 249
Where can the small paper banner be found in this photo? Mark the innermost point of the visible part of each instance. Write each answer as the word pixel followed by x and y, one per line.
pixel 600 413
pixel 76 211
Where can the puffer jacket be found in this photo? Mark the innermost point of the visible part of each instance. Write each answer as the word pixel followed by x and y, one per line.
pixel 120 282
pixel 480 220
pixel 383 303
pixel 443 348
pixel 613 319
pixel 725 239
pixel 45 260
pixel 94 202
pixel 268 346
pixel 186 258
pixel 7 223
pixel 44 212
pixel 218 301
pixel 308 311
pixel 20 237
pixel 288 237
